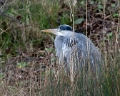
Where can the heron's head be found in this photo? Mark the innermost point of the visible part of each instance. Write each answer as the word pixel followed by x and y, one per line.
pixel 62 30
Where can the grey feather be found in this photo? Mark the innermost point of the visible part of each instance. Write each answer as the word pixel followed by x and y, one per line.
pixel 77 47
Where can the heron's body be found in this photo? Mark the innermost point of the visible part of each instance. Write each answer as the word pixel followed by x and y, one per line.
pixel 76 48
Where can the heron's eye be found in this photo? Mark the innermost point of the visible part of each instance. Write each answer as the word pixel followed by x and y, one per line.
pixel 61 36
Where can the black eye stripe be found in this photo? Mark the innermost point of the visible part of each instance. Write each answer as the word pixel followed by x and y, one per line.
pixel 65 27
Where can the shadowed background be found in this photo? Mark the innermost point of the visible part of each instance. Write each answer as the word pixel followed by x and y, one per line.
pixel 27 56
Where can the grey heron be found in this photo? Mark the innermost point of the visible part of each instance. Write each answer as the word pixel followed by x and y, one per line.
pixel 74 47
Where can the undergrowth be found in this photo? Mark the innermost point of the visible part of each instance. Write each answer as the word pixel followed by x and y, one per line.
pixel 27 62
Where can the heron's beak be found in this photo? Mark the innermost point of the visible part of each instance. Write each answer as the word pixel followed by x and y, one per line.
pixel 53 31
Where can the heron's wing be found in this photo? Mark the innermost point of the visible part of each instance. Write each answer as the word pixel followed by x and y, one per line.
pixel 80 46
pixel 80 51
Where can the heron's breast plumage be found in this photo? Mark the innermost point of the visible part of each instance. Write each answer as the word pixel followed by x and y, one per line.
pixel 68 46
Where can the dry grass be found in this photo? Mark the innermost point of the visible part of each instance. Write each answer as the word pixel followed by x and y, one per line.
pixel 27 60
